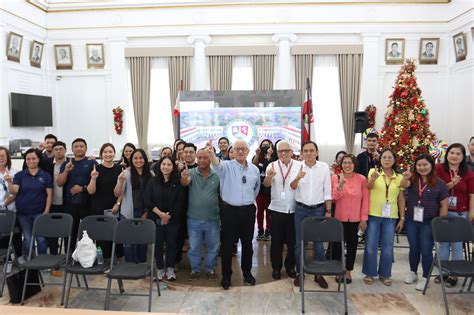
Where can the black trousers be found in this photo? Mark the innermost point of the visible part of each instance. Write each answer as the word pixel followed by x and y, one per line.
pixel 166 234
pixel 78 213
pixel 282 231
pixel 350 238
pixel 237 222
pixel 182 235
pixel 53 241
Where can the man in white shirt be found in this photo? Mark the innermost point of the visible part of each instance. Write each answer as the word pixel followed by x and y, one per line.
pixel 313 197
pixel 279 175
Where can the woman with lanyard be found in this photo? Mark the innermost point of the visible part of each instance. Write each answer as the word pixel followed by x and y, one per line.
pixel 387 204
pixel 351 196
pixel 131 185
pixel 427 198
pixel 460 182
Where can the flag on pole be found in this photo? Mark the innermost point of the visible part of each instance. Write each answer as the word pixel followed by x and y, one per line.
pixel 307 113
pixel 176 111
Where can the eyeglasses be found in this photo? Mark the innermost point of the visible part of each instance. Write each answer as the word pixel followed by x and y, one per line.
pixel 240 149
pixel 284 151
pixel 244 179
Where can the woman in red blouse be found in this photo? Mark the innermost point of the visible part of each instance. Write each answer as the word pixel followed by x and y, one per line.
pixel 351 195
pixel 460 182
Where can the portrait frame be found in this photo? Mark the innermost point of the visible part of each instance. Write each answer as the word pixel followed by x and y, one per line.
pixel 427 57
pixel 95 56
pixel 14 51
pixel 63 57
pixel 460 47
pixel 35 59
pixel 390 58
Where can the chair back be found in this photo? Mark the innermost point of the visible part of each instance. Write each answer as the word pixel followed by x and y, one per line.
pixel 322 229
pixel 135 231
pixel 7 222
pixel 451 229
pixel 98 227
pixel 53 225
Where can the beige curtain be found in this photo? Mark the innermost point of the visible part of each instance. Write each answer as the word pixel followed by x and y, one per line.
pixel 303 70
pixel 263 71
pixel 220 70
pixel 350 69
pixel 140 70
pixel 179 69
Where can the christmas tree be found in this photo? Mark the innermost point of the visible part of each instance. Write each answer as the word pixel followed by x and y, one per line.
pixel 406 129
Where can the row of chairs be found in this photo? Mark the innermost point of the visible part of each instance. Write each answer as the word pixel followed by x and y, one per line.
pixel 99 228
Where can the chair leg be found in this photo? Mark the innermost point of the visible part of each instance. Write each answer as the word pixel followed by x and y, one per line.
pixel 157 282
pixel 40 277
pixel 4 276
pixel 77 280
pixel 85 282
pixel 150 293
pixel 345 295
pixel 463 284
pixel 428 278
pixel 107 294
pixel 68 290
pixel 302 290
pixel 443 290
pixel 120 285
pixel 470 284
pixel 64 287
pixel 24 287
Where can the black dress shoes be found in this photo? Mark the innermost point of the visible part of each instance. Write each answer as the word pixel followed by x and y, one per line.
pixel 249 279
pixel 291 273
pixel 225 284
pixel 276 274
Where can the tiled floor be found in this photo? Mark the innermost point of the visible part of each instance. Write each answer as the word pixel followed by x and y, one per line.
pixel 269 296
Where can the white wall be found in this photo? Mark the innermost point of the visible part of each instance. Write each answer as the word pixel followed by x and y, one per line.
pixel 83 99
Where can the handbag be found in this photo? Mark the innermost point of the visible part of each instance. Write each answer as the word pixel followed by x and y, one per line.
pixel 15 285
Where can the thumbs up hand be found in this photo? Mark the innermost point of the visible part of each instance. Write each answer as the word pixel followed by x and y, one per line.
pixel 94 173
pixel 301 173
pixel 69 166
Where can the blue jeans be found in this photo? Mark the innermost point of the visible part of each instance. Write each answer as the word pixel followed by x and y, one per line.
pixel 209 232
pixel 420 239
pixel 135 253
pixel 26 222
pixel 300 214
pixel 382 229
pixel 456 247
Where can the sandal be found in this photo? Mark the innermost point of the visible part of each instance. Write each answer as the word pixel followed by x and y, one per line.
pixel 386 281
pixel 368 280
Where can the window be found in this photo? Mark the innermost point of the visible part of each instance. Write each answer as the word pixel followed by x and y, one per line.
pixel 242 73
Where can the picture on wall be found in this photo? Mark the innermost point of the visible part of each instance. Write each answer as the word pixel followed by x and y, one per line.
pixel 36 53
pixel 95 56
pixel 63 57
pixel 429 48
pixel 394 50
pixel 460 48
pixel 14 46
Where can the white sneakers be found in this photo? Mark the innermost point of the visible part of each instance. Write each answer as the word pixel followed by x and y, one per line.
pixel 421 284
pixel 160 274
pixel 170 275
pixel 411 278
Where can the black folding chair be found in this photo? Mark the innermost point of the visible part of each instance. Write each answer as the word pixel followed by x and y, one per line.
pixel 133 232
pixel 321 229
pixel 58 225
pixel 99 228
pixel 450 229
pixel 470 256
pixel 7 226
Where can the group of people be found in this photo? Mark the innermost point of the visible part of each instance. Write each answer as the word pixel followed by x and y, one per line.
pixel 215 198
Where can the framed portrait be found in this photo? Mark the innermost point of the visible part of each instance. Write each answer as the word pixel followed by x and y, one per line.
pixel 36 53
pixel 429 48
pixel 14 43
pixel 460 47
pixel 95 56
pixel 394 50
pixel 63 57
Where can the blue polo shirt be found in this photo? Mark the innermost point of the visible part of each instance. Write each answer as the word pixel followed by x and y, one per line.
pixel 80 175
pixel 31 197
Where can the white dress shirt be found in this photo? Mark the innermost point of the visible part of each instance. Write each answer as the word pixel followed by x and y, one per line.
pixel 283 198
pixel 315 187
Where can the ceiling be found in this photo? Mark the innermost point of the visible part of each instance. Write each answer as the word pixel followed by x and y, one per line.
pixel 75 5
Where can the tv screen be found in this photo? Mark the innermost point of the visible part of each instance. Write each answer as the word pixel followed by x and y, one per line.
pixel 30 110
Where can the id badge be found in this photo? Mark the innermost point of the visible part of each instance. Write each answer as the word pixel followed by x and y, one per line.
pixel 418 213
pixel 283 195
pixel 386 210
pixel 452 202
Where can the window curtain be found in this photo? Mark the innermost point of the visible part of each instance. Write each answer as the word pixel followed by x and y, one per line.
pixel 263 71
pixel 350 69
pixel 220 72
pixel 179 70
pixel 140 72
pixel 242 77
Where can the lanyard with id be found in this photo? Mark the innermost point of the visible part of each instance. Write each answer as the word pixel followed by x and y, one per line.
pixel 387 205
pixel 283 193
pixel 418 210
pixel 452 200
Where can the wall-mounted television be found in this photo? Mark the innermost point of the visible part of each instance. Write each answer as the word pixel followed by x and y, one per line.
pixel 30 110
